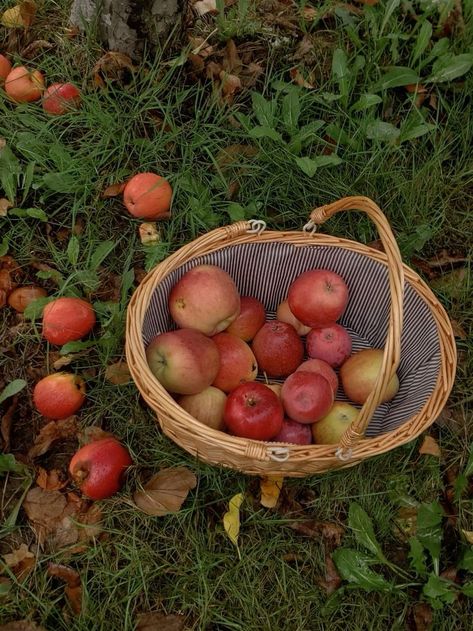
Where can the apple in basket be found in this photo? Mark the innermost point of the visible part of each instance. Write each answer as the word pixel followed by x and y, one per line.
pixel 253 411
pixel 237 362
pixel 206 299
pixel 318 297
pixel 360 372
pixel 284 314
pixel 251 319
pixel 331 427
pixel 330 343
pixel 206 406
pixel 293 432
pixel 278 349
pixel 183 361
pixel 322 368
pixel 306 396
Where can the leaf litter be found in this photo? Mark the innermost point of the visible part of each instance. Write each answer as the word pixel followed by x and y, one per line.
pixel 156 621
pixel 165 492
pixel 73 589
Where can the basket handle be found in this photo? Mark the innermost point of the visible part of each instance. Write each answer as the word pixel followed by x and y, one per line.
pixel 392 349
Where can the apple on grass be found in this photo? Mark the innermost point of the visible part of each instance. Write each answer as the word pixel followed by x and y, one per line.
pixel 253 411
pixel 322 368
pixel 59 395
pixel 206 406
pixel 359 375
pixel 293 432
pixel 60 98
pixel 237 362
pixel 250 320
pixel 67 319
pixel 329 429
pixel 5 67
pixel 183 361
pixel 206 299
pixel 331 343
pixel 23 85
pixel 306 396
pixel 318 297
pixel 284 314
pixel 278 349
pixel 148 196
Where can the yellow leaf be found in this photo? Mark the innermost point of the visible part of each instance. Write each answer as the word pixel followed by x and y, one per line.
pixel 468 534
pixel 118 373
pixel 430 447
pixel 149 234
pixel 12 18
pixel 5 204
pixel 231 519
pixel 270 490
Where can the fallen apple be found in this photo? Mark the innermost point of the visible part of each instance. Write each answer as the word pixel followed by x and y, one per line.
pixel 5 67
pixel 284 314
pixel 23 85
pixel 253 411
pixel 237 362
pixel 306 396
pixel 99 467
pixel 21 297
pixel 329 429
pixel 322 368
pixel 206 406
pixel 278 349
pixel 148 196
pixel 67 319
pixel 318 297
pixel 206 299
pixel 59 395
pixel 293 432
pixel 60 98
pixel 331 343
pixel 183 361
pixel 250 320
pixel 359 375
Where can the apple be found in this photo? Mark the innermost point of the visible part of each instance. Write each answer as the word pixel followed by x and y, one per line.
pixel 330 343
pixel 206 299
pixel 251 319
pixel 253 411
pixel 322 368
pixel 318 297
pixel 284 314
pixel 183 361
pixel 21 297
pixel 60 98
pixel 99 467
pixel 59 395
pixel 5 67
pixel 306 396
pixel 278 349
pixel 206 406
pixel 293 432
pixel 329 429
pixel 237 362
pixel 67 319
pixel 359 375
pixel 148 196
pixel 23 85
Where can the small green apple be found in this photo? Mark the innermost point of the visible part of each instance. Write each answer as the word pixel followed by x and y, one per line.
pixel 331 427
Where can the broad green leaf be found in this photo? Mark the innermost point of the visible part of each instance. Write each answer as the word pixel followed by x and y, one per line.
pixel 76 346
pixel 353 567
pixel 466 562
pixel 305 135
pixel 14 387
pixel 362 526
pixel 265 132
pixel 439 591
pixel 391 6
pixel 416 132
pixel 35 309
pixel 467 589
pixel 4 245
pixel 382 132
pixel 88 278
pixel 291 110
pixel 263 109
pixel 339 135
pixel 429 530
pixel 236 212
pixel 27 179
pixel 9 464
pixel 9 171
pixel 439 49
pixel 422 40
pixel 450 67
pixel 468 470
pixel 128 279
pixel 37 213
pixel 62 182
pixel 340 71
pixel 73 249
pixel 396 77
pixel 310 165
pixel 417 556
pixel 365 101
pixel 5 589
pixel 100 254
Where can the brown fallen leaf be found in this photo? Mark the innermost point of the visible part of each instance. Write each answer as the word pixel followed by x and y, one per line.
pixel 291 557
pixel 155 621
pixel 468 534
pixel 430 447
pixel 458 330
pixel 299 79
pixel 6 281
pixel 165 492
pixel 231 59
pixel 231 84
pixel 21 625
pixel 21 561
pixel 232 154
pixel 330 532
pixel 113 66
pixel 118 373
pixel 113 190
pixel 52 480
pixel 149 234
pixel 309 14
pixel 6 424
pixel 92 433
pixel 73 589
pixel 53 431
pixel 405 523
pixel 5 205
pixel 454 419
pixel 201 7
pixel 27 12
pixel 35 48
pixel 332 580
pixel 270 490
pixel 423 616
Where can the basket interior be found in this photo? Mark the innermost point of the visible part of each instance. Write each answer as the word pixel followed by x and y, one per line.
pixel 266 269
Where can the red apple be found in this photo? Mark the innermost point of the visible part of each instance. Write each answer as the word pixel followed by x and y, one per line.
pixel 359 375
pixel 293 432
pixel 284 314
pixel 322 368
pixel 206 406
pixel 331 427
pixel 99 467
pixel 318 297
pixel 331 343
pixel 23 85
pixel 148 196
pixel 206 299
pixel 306 396
pixel 251 319
pixel 5 67
pixel 253 411
pixel 67 319
pixel 183 361
pixel 59 395
pixel 278 349
pixel 237 362
pixel 60 98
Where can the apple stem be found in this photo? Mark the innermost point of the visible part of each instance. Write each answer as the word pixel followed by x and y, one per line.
pixel 81 472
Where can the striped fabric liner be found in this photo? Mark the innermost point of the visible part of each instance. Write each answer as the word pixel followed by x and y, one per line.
pixel 265 270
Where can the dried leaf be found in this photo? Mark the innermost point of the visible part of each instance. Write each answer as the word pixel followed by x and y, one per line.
pixel 232 154
pixel 74 597
pixel 113 190
pixel 6 281
pixel 149 233
pixel 51 480
pixel 28 12
pixel 12 18
pixel 5 204
pixel 64 360
pixel 423 616
pixel 17 556
pixel 299 79
pixel 205 6
pixel 73 589
pixel 458 330
pixel 447 418
pixel 468 534
pixel 330 532
pixel 230 85
pixel 53 431
pixel 6 424
pixel 332 580
pixel 155 621
pixel 430 447
pixel 310 14
pixel 35 48
pixel 231 60
pixel 21 625
pixel 92 433
pixel 405 524
pixel 270 490
pixel 165 492
pixel 118 373
pixel 113 66
pixel 231 519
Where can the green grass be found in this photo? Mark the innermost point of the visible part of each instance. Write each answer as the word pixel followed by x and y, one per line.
pixel 184 563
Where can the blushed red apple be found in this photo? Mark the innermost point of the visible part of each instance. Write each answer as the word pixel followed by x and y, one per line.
pixel 250 320
pixel 293 432
pixel 59 395
pixel 306 396
pixel 237 362
pixel 183 361
pixel 60 98
pixel 98 468
pixel 206 299
pixel 359 375
pixel 322 368
pixel 148 196
pixel 206 406
pixel 67 319
pixel 253 411
pixel 330 343
pixel 284 314
pixel 23 85
pixel 5 67
pixel 329 429
pixel 278 349
pixel 318 297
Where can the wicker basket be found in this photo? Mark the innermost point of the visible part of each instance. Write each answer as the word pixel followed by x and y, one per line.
pixel 384 293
